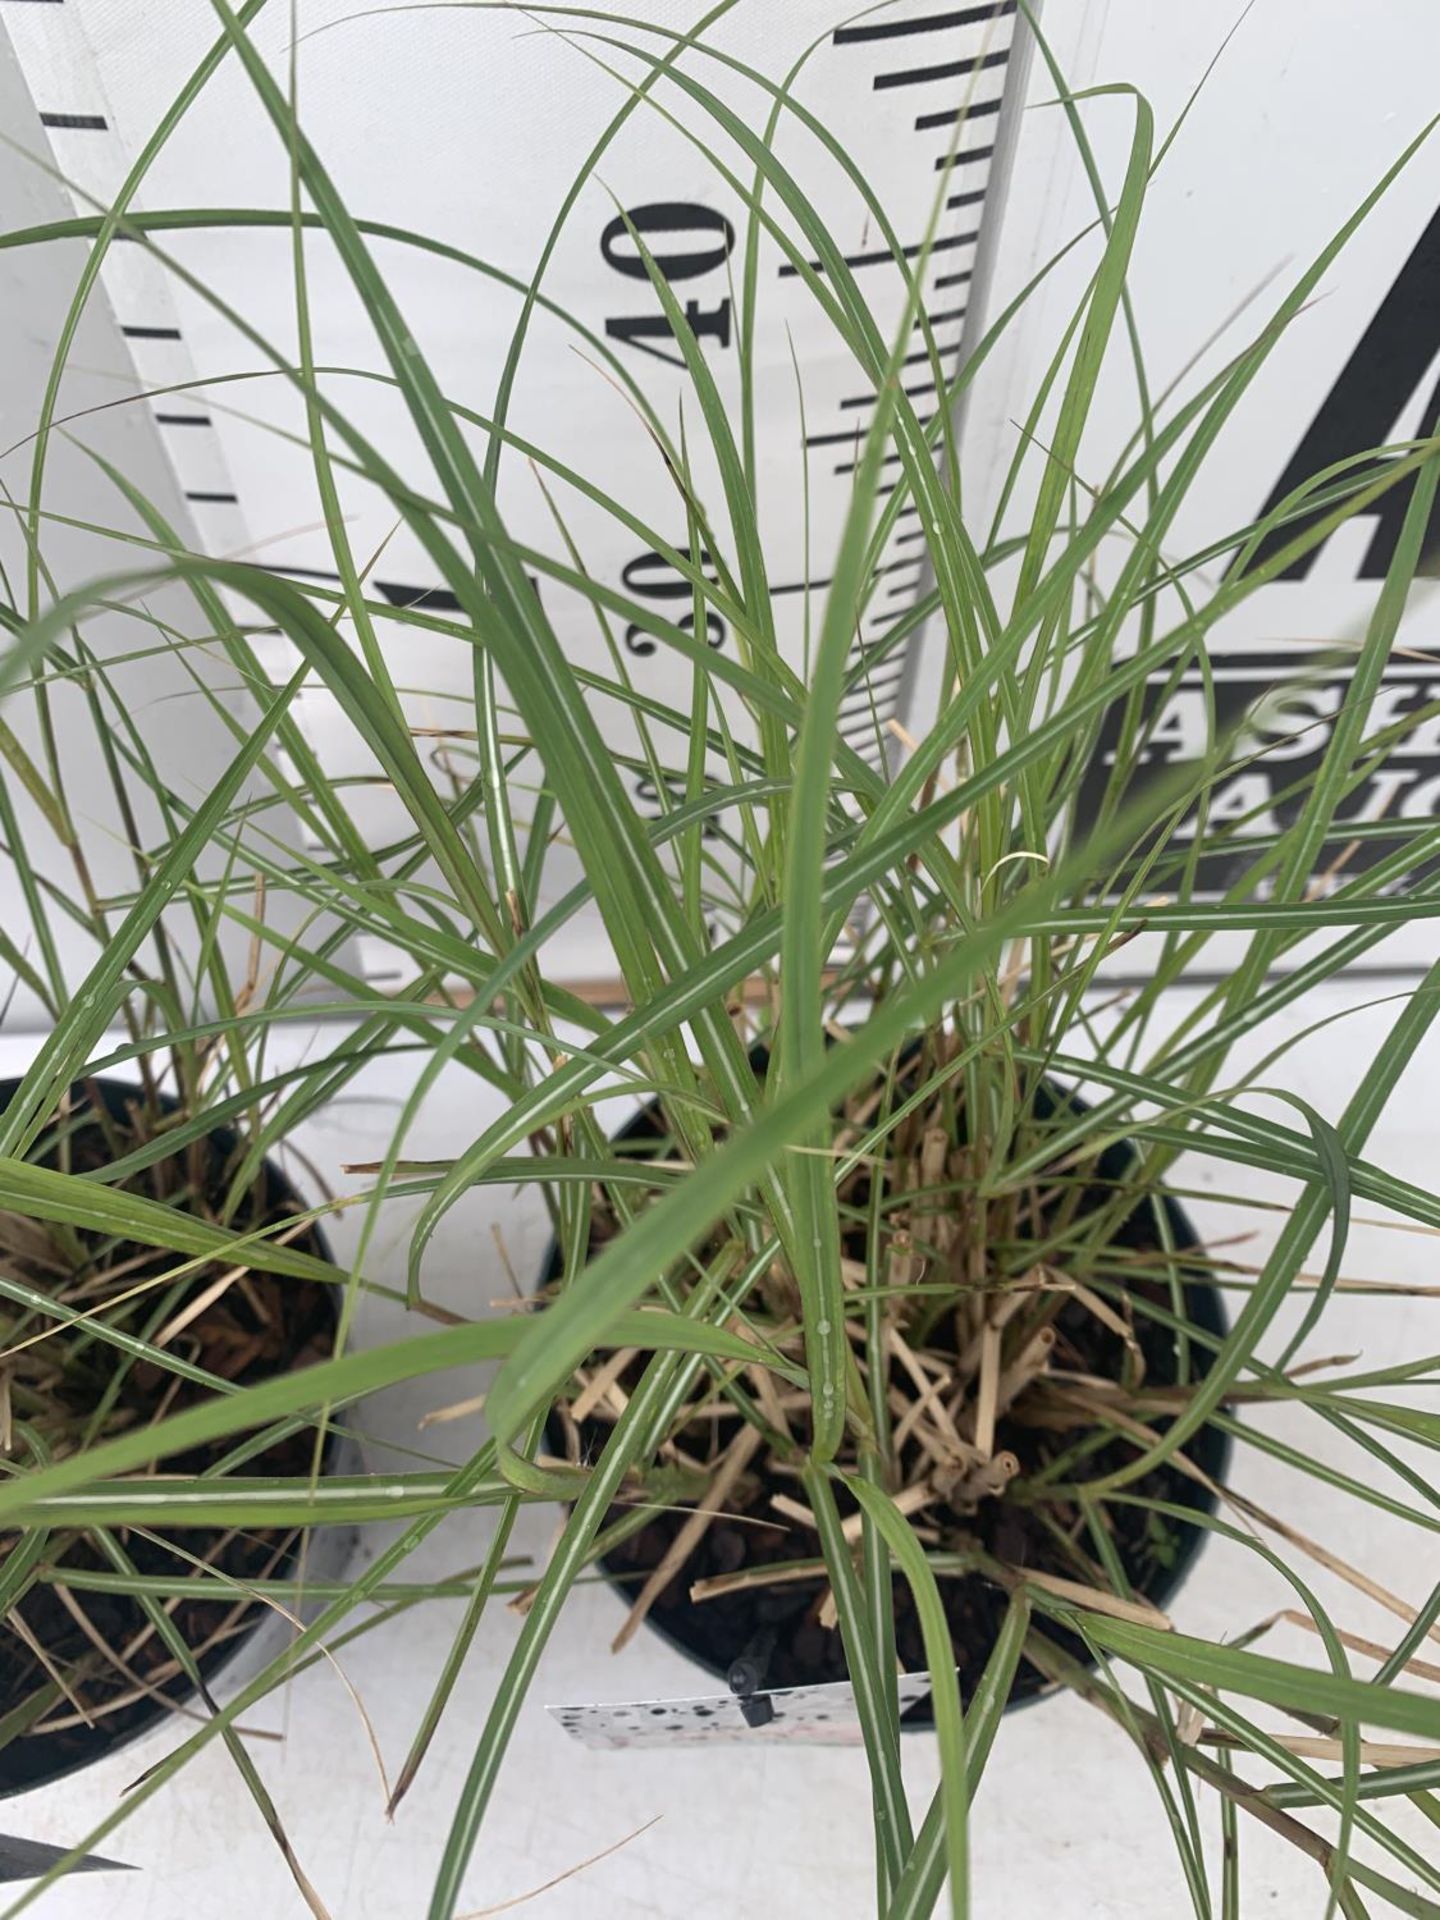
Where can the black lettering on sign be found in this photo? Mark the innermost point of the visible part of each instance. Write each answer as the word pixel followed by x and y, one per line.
pixel 650 576
pixel 640 329
pixel 1280 708
pixel 424 599
pixel 647 793
pixel 1362 409
pixel 643 644
pixel 688 253
pixel 684 241
pixel 431 599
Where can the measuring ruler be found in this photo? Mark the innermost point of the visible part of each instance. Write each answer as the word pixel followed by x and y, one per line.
pixel 468 125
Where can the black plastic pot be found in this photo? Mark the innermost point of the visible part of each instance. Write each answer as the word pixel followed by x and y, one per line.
pixel 33 1760
pixel 704 1633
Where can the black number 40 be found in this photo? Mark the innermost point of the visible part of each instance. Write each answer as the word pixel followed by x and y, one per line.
pixel 685 241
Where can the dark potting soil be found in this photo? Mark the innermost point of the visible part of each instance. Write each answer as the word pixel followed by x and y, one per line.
pixel 780 1623
pixel 260 1326
pixel 783 1619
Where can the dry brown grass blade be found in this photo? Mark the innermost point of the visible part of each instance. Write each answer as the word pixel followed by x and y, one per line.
pixel 793 1509
pixel 521 1899
pixel 456 1410
pixel 1106 1415
pixel 522 1293
pixel 250 1596
pixel 207 1296
pixel 1321 1365
pixel 1144 1729
pixel 985 1482
pixel 988 1390
pixel 940 1224
pixel 600 1384
pixel 1027 1366
pixel 1116 1322
pixel 767 1395
pixel 1096 1600
pixel 117 1703
pixel 716 1584
pixel 909 1501
pixel 22 1632
pixel 1332 1562
pixel 1357 1643
pixel 1189 1720
pixel 928 1403
pixel 733 1463
pixel 140 1687
pixel 997 1310
pixel 1306 1746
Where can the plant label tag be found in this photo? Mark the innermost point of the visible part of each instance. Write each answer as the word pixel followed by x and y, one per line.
pixel 820 1716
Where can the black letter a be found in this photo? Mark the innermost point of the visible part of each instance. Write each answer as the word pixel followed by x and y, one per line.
pixel 1362 408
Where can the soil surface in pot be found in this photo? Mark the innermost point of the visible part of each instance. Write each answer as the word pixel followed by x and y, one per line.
pixel 786 1618
pixel 102 1645
pixel 785 1622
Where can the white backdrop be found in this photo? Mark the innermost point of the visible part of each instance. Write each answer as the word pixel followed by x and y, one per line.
pixel 187 740
pixel 468 124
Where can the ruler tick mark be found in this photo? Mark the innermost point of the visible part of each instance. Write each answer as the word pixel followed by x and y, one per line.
pixel 942 70
pixel 936 23
pixel 184 419
pixel 215 499
pixel 957 116
pixel 868 399
pixel 861 698
pixel 151 333
pixel 873 685
pixel 883 255
pixel 77 122
pixel 968 159
pixel 849 466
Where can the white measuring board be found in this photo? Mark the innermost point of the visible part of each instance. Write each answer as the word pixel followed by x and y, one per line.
pixel 468 125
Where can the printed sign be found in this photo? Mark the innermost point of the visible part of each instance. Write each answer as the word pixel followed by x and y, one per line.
pixel 1279 705
pixel 1279 708
pixel 1299 149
